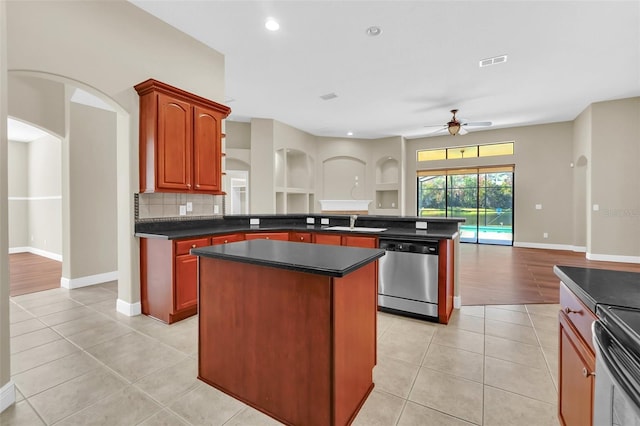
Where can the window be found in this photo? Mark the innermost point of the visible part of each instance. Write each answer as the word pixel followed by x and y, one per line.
pixel 482 196
pixel 472 151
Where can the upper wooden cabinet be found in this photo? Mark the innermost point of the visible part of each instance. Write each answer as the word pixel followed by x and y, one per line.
pixel 180 140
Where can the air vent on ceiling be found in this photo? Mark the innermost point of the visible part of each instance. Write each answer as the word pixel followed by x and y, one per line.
pixel 493 61
pixel 328 96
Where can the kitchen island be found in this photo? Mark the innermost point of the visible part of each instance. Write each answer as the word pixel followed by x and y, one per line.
pixel 289 328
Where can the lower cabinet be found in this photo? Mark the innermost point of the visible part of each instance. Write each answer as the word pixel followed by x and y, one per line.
pixel 357 241
pixel 225 239
pixel 168 278
pixel 300 237
pixel 280 236
pixel 576 362
pixel 330 239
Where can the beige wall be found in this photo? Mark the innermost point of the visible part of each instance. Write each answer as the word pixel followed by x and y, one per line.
pixel 18 191
pixel 261 196
pixel 92 170
pixel 581 185
pixel 238 135
pixel 542 157
pixel 37 101
pixel 615 178
pixel 5 352
pixel 77 43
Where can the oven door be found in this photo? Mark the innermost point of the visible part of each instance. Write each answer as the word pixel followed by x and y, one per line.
pixel 617 389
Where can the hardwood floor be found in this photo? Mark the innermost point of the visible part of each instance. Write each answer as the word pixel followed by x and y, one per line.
pixel 489 275
pixel 29 273
pixel 500 275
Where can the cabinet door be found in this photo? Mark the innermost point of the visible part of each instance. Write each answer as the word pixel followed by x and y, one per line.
pixel 206 150
pixel 186 284
pixel 331 239
pixel 353 241
pixel 280 236
pixel 185 292
pixel 300 237
pixel 174 154
pixel 576 378
pixel 224 239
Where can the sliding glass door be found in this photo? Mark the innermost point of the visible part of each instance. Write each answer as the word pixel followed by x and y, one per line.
pixel 483 197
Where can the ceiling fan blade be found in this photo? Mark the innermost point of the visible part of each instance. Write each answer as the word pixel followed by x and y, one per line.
pixel 478 123
pixel 436 131
pixel 444 126
pixel 462 131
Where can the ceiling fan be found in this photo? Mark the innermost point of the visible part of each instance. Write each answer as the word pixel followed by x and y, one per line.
pixel 456 126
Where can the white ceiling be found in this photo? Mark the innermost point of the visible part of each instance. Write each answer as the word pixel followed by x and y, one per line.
pixel 562 56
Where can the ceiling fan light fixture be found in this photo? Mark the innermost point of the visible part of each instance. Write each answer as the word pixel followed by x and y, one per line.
pixel 453 127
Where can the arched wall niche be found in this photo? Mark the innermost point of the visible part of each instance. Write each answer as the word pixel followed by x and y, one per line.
pixel 344 178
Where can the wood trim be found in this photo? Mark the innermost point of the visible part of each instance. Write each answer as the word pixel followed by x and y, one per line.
pixel 445 280
pixel 151 85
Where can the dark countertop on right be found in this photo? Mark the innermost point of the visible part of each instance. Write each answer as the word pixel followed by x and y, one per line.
pixel 601 286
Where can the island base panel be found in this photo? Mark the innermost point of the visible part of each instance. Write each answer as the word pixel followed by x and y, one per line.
pixel 275 339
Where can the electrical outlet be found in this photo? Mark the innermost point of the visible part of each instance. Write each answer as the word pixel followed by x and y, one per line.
pixel 189 206
pixel 183 210
pixel 254 221
pixel 545 235
pixel 324 221
pixel 311 221
pixel 421 225
pixel 216 209
pixel 538 206
pixel 596 207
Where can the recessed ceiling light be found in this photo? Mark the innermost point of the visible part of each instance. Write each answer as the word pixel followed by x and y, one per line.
pixel 272 24
pixel 374 31
pixel 349 133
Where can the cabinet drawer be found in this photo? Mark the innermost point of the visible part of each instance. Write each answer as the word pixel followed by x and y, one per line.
pixel 183 247
pixel 579 315
pixel 331 239
pixel 300 237
pixel 224 239
pixel 282 236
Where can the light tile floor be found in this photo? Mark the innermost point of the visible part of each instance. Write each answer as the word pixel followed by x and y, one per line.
pixel 75 361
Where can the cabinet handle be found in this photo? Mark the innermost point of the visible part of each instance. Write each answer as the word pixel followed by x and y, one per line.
pixel 197 186
pixel 301 238
pixel 586 372
pixel 568 310
pixel 226 241
pixel 188 185
pixel 267 238
pixel 193 246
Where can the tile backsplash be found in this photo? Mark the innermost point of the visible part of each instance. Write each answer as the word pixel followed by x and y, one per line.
pixel 164 205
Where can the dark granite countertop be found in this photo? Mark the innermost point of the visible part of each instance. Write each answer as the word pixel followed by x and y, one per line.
pixel 334 261
pixel 396 227
pixel 601 286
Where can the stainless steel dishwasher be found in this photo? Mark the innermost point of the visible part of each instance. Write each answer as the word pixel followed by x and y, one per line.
pixel 408 277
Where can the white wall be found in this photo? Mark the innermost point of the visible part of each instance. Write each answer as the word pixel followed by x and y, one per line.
pixel 18 189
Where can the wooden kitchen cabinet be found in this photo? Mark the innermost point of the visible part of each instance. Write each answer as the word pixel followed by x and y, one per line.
pixel 359 241
pixel 280 236
pixel 180 140
pixel 300 237
pixel 169 278
pixel 330 239
pixel 576 361
pixel 225 239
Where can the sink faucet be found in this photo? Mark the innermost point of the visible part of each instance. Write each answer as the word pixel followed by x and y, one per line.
pixel 352 220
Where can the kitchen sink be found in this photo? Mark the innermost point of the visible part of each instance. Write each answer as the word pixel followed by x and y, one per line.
pixel 354 229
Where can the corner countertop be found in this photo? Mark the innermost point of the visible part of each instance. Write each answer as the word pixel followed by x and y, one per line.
pixel 601 286
pixel 396 227
pixel 334 261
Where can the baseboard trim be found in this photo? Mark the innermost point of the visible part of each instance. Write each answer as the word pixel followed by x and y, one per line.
pixel 88 280
pixel 7 395
pixel 613 258
pixel 39 252
pixel 128 309
pixel 545 246
pixel 457 302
